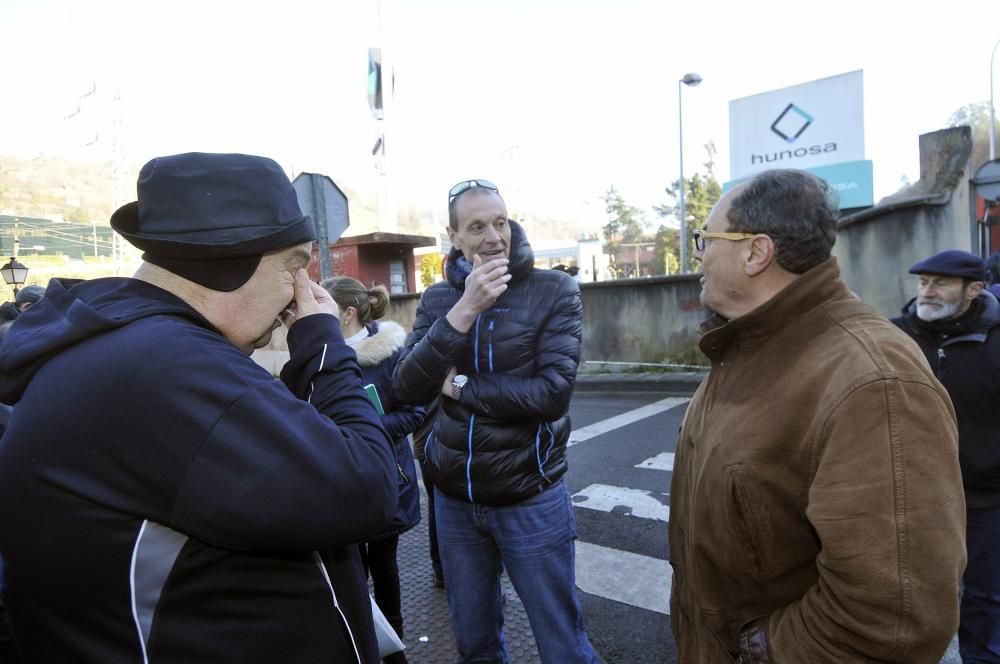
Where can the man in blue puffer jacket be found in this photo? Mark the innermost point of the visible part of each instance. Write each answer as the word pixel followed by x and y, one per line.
pixel 500 341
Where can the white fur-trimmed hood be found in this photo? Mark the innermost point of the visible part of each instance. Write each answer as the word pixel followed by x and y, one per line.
pixel 373 349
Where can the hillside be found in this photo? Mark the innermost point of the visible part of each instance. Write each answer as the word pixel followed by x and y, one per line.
pixel 54 188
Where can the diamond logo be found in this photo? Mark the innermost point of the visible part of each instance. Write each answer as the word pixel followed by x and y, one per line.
pixel 791 123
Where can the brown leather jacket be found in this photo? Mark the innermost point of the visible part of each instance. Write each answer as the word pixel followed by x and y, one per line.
pixel 817 513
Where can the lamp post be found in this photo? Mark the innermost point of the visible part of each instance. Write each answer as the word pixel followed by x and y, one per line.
pixel 993 122
pixel 690 80
pixel 14 274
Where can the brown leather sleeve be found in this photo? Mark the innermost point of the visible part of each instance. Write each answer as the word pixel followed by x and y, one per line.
pixel 755 646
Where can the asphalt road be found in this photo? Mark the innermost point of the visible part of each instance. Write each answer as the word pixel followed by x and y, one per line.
pixel 621 557
pixel 620 459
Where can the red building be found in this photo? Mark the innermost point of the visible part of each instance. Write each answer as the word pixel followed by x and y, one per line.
pixel 384 258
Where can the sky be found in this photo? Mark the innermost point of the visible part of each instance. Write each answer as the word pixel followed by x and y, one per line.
pixel 554 100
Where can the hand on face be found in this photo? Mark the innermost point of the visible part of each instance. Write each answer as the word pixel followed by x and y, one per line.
pixel 310 299
pixel 486 282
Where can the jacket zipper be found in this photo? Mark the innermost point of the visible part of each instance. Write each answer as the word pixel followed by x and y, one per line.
pixel 490 328
pixel 472 417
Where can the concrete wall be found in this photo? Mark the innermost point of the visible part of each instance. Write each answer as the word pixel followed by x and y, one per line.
pixel 403 309
pixel 645 320
pixel 876 248
pixel 641 320
pixel 629 320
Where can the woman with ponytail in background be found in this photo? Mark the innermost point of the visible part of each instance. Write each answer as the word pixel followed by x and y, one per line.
pixel 378 344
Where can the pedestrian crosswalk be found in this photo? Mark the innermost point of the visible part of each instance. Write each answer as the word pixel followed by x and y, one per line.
pixel 618 421
pixel 614 572
pixel 646 584
pixel 662 461
pixel 623 500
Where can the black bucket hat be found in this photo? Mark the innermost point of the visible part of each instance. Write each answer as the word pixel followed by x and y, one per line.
pixel 210 217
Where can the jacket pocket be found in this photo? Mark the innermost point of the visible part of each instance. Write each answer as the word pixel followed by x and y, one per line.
pixel 748 520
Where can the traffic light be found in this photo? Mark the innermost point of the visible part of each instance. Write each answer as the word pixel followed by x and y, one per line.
pixel 375 82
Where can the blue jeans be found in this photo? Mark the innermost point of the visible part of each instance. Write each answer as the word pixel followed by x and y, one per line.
pixel 979 627
pixel 534 541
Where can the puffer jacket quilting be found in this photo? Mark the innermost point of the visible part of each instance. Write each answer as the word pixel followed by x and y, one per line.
pixel 506 440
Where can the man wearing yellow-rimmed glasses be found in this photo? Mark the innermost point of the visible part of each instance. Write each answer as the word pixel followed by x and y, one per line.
pixel 816 506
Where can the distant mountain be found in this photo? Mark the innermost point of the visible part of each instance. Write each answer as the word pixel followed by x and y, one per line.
pixel 58 189
pixel 49 187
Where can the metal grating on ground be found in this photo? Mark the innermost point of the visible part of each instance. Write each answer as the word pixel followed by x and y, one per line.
pixel 428 635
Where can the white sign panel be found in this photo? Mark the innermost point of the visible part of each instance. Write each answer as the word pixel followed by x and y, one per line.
pixel 802 126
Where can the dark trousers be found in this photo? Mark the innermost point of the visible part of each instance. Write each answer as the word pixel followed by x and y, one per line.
pixel 979 628
pixel 379 559
pixel 431 524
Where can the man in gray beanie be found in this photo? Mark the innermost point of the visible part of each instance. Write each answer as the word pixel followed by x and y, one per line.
pixel 957 325
pixel 184 506
pixel 28 296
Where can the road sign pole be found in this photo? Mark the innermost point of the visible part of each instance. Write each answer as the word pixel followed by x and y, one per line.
pixel 322 238
pixel 323 200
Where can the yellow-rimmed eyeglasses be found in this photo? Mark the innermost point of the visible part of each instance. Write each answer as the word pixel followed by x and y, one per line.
pixel 699 238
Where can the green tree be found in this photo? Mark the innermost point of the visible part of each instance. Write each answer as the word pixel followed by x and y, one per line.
pixel 976 116
pixel 430 269
pixel 625 222
pixel 665 259
pixel 700 194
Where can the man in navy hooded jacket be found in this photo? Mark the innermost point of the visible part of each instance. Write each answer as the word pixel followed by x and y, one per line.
pixel 164 498
pixel 956 323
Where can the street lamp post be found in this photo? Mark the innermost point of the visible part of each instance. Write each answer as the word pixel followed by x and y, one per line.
pixel 690 80
pixel 993 122
pixel 14 274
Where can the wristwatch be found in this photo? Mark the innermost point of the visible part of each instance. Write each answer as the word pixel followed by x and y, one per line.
pixel 457 385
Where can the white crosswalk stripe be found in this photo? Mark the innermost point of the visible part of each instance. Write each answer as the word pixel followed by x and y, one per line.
pixel 618 421
pixel 624 576
pixel 662 461
pixel 634 502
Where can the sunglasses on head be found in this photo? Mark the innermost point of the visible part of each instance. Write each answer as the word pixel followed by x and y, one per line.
pixel 466 185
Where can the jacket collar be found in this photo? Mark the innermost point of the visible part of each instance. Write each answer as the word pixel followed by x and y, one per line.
pixel 522 259
pixel 384 339
pixel 810 290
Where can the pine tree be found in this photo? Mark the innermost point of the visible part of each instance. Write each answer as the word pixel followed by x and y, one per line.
pixel 700 194
pixel 625 222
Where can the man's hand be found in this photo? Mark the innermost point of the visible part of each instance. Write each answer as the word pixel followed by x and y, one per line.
pixel 446 386
pixel 310 298
pixel 483 286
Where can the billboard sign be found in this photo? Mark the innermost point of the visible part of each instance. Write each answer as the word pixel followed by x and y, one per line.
pixel 814 124
pixel 853 181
